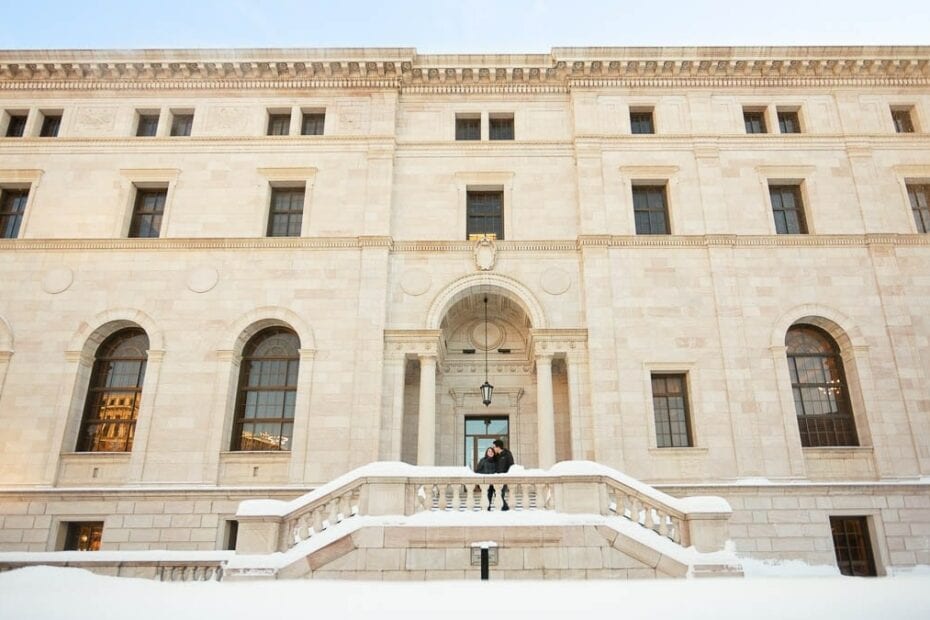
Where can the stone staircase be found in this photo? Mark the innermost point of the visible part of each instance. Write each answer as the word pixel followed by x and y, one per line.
pixel 398 521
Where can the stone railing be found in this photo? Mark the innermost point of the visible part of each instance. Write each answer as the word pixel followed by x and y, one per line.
pixel 397 489
pixel 173 570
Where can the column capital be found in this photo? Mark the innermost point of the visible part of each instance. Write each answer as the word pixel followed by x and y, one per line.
pixel 544 356
pixel 427 355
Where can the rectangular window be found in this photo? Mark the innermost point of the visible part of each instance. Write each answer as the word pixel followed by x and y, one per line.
pixel 650 210
pixel 232 535
pixel 287 211
pixel 500 127
pixel 852 546
pixel 148 125
pixel 467 127
pixel 485 214
pixel 312 124
pixel 51 123
pixel 83 536
pixel 181 124
pixel 788 209
pixel 641 122
pixel 147 213
pixel 920 206
pixel 670 403
pixel 788 122
pixel 12 208
pixel 279 124
pixel 755 121
pixel 903 122
pixel 17 126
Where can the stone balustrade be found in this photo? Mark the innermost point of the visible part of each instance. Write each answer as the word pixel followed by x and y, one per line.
pixel 397 489
pixel 174 570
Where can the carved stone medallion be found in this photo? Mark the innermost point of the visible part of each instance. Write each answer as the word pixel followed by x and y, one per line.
pixel 485 254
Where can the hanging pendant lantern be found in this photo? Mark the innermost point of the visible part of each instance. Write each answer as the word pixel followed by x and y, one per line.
pixel 487 390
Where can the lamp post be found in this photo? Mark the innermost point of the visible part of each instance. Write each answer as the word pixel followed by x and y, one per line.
pixel 487 390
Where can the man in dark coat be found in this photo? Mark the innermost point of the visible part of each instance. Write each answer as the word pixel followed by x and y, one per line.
pixel 504 463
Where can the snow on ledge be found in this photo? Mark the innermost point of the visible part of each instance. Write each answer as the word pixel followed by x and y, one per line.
pixel 392 469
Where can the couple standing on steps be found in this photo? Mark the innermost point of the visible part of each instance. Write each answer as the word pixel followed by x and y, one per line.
pixel 497 460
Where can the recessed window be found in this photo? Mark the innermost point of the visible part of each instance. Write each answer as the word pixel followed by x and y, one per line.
pixel 754 120
pixel 788 209
pixel 12 208
pixel 821 398
pixel 852 546
pixel 641 121
pixel 670 404
pixel 485 213
pixel 650 210
pixel 312 123
pixel 148 125
pixel 267 391
pixel 232 535
pixel 147 212
pixel 500 127
pixel 903 120
pixel 83 536
pixel 467 127
pixel 182 123
pixel 919 196
pixel 115 393
pixel 16 128
pixel 287 211
pixel 279 124
pixel 788 121
pixel 51 123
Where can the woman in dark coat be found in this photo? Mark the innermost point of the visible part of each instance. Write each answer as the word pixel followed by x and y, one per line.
pixel 488 465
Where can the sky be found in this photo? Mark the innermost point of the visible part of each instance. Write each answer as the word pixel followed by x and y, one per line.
pixel 464 26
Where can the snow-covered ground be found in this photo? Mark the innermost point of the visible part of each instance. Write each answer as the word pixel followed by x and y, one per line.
pixel 64 593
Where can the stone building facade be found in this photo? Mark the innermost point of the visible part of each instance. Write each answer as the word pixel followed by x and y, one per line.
pixel 705 268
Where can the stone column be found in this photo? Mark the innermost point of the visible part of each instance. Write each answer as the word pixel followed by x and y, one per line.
pixel 545 414
pixel 426 436
pixel 397 369
pixel 576 423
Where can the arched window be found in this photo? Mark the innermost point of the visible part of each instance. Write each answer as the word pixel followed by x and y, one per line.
pixel 821 397
pixel 267 391
pixel 112 405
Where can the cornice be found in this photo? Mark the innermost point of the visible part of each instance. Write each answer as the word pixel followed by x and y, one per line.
pixel 402 68
pixel 453 246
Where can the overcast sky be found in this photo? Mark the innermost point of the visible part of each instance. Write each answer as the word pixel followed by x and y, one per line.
pixel 462 26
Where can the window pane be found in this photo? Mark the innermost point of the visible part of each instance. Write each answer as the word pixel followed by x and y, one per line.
pixel 500 128
pixel 669 401
pixel 268 392
pixel 312 124
pixel 279 124
pixel 484 214
pixel 181 124
pixel 467 128
pixel 641 123
pixel 17 126
pixel 147 214
pixel 12 208
pixel 50 126
pixel 819 387
pixel 286 214
pixel 148 125
pixel 649 210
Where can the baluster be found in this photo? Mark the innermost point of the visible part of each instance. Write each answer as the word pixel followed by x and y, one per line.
pixel 317 517
pixel 457 498
pixel 532 496
pixel 345 506
pixel 663 524
pixel 648 521
pixel 676 531
pixel 516 496
pixel 634 509
pixel 620 498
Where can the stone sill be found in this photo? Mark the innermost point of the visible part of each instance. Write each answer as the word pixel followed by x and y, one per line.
pixel 838 452
pixel 679 452
pixel 255 455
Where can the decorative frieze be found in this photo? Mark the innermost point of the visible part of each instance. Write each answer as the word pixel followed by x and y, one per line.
pixel 404 69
